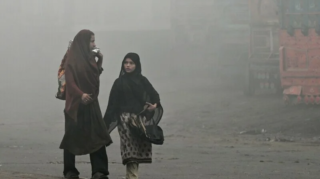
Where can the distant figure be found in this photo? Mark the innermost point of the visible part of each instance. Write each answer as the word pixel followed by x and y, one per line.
pixel 133 103
pixel 85 130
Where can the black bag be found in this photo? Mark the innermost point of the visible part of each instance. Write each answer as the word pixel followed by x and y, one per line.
pixel 154 134
pixel 150 131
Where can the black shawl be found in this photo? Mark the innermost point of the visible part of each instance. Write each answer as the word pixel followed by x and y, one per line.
pixel 129 93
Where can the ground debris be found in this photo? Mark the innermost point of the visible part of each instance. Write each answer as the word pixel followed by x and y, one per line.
pixel 254 132
pixel 281 139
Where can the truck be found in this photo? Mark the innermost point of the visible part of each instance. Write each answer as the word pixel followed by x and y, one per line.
pixel 299 37
pixel 276 44
pixel 262 66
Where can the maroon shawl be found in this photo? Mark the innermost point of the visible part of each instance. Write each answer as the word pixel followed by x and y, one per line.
pixel 81 73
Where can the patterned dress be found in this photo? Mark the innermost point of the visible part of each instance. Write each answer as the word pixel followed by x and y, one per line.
pixel 133 149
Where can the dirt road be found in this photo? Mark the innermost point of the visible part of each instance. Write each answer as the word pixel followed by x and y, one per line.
pixel 212 131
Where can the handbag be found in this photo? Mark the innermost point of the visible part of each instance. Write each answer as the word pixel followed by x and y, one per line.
pixel 149 130
pixel 154 134
pixel 61 94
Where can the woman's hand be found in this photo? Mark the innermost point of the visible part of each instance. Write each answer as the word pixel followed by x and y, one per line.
pixel 151 107
pixel 86 98
pixel 99 55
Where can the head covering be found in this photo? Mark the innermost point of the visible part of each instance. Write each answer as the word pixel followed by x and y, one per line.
pixel 132 85
pixel 82 73
pixel 129 93
pixel 80 46
pixel 136 59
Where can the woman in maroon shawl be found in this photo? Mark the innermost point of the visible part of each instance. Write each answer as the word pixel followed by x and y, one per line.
pixel 85 130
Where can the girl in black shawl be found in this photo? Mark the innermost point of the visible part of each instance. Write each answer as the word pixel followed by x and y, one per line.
pixel 133 98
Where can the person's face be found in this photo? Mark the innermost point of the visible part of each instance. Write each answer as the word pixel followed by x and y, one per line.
pixel 92 43
pixel 129 65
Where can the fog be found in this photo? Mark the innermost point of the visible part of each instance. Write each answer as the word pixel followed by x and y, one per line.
pixel 187 49
pixel 194 52
pixel 35 36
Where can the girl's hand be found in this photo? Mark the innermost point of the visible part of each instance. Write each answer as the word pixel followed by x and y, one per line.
pixel 151 107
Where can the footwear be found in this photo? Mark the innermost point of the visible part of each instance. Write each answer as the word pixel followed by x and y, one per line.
pixel 71 175
pixel 99 175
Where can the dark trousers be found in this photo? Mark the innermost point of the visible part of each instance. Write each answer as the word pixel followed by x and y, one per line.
pixel 98 159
